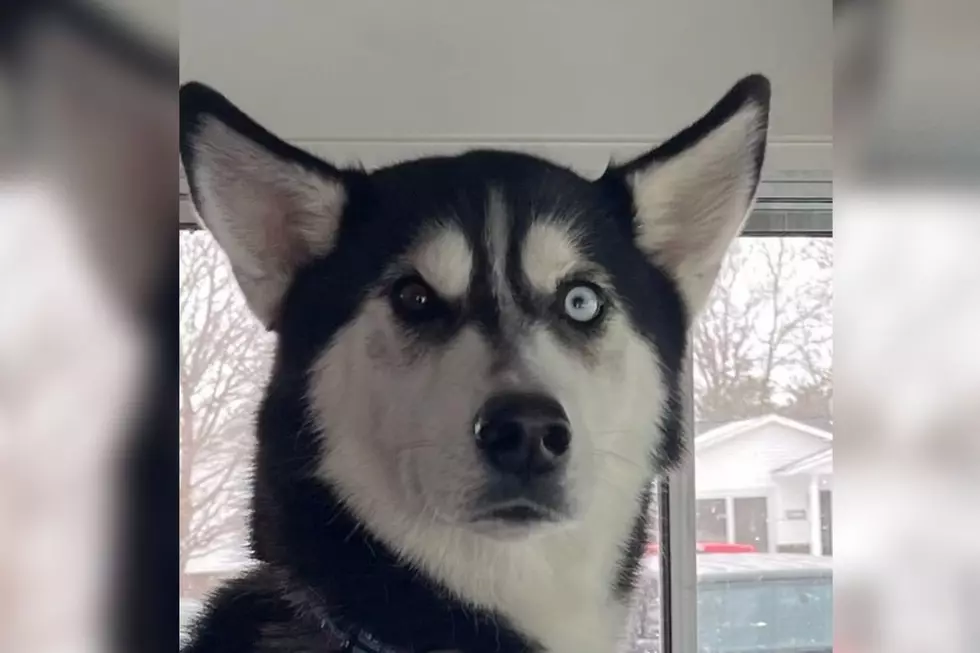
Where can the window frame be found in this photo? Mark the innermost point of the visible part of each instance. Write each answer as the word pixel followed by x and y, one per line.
pixel 802 210
pixel 781 210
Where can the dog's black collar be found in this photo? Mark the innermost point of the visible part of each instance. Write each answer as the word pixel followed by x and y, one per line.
pixel 346 636
pixel 354 639
pixel 360 641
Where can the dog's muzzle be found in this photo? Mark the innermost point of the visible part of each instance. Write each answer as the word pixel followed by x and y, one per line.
pixel 525 440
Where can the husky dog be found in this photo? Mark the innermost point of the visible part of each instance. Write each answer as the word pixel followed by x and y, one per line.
pixel 477 379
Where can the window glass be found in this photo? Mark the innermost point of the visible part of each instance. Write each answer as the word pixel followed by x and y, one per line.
pixel 763 450
pixel 643 630
pixel 769 615
pixel 751 522
pixel 225 355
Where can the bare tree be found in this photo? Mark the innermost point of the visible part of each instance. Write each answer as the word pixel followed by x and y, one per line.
pixel 725 347
pixel 225 356
pixel 763 342
pixel 811 389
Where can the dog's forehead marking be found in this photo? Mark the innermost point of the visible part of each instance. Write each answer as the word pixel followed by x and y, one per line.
pixel 508 321
pixel 549 254
pixel 497 238
pixel 444 258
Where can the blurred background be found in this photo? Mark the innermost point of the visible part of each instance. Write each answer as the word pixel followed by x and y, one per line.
pixel 106 285
pixel 907 311
pixel 88 324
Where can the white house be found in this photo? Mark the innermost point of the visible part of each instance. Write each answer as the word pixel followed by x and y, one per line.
pixel 766 481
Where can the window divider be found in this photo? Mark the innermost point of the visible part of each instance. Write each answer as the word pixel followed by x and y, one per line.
pixel 678 540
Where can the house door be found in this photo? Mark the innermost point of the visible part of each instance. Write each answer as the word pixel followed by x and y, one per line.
pixel 826 522
pixel 751 522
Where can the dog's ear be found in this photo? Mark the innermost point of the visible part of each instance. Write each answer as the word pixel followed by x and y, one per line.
pixel 691 195
pixel 270 206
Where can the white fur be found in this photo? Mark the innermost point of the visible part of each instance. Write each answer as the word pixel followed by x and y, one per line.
pixel 445 261
pixel 549 254
pixel 269 215
pixel 497 238
pixel 399 450
pixel 691 206
pixel 555 585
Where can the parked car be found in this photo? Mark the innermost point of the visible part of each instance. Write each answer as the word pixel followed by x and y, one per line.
pixel 188 611
pixel 709 547
pixel 757 603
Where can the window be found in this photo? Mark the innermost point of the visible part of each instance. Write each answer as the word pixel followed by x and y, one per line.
pixel 225 355
pixel 763 448
pixel 762 469
pixel 751 522
pixel 761 473
pixel 712 518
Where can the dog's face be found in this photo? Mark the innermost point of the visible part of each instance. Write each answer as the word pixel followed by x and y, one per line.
pixel 489 341
pixel 496 354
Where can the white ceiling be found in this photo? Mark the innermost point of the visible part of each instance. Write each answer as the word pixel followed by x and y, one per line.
pixel 377 80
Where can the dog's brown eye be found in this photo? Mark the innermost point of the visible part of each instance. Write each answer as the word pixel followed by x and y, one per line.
pixel 413 299
pixel 414 296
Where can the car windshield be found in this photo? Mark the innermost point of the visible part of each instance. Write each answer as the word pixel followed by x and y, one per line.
pixel 775 616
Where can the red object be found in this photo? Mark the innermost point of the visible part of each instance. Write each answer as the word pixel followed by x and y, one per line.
pixel 710 547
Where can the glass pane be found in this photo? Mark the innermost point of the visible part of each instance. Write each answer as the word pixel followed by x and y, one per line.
pixel 225 355
pixel 752 522
pixel 643 635
pixel 763 451
pixel 774 615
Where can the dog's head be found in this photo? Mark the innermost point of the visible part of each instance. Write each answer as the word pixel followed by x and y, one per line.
pixel 487 341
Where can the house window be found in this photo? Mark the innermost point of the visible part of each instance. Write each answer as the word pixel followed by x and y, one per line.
pixel 712 520
pixel 752 522
pixel 826 522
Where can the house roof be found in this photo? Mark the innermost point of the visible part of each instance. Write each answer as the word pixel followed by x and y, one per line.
pixel 807 464
pixel 822 423
pixel 732 430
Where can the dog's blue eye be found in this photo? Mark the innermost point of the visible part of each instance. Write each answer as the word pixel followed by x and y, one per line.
pixel 582 303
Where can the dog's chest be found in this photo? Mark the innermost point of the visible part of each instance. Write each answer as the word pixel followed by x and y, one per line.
pixel 565 625
pixel 566 603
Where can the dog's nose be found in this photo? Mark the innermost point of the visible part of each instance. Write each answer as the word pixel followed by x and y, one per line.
pixel 523 434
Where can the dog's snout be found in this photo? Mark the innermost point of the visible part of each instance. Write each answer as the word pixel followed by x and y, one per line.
pixel 523 434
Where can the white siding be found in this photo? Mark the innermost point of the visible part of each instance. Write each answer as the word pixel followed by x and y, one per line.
pixel 746 462
pixel 793 495
pixel 744 466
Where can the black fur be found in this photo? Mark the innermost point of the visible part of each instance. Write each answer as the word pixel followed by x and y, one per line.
pixel 310 545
